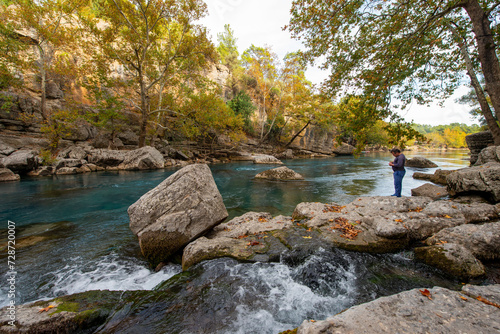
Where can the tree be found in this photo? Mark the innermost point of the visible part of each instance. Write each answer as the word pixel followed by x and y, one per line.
pixel 44 24
pixel 154 41
pixel 398 49
pixel 261 64
pixel 229 56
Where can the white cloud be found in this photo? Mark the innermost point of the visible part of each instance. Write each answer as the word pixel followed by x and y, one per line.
pixel 261 22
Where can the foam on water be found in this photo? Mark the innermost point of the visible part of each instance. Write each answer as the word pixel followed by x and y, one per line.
pixel 276 296
pixel 107 273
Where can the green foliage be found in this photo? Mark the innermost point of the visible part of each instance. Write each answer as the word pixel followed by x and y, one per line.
pixel 59 125
pixel 205 115
pixel 242 105
pixel 451 135
pixel 48 157
pixel 227 48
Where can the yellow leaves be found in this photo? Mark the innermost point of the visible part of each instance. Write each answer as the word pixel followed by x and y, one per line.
pixel 308 237
pixel 446 216
pixel 417 209
pixel 262 220
pixel 398 220
pixel 46 309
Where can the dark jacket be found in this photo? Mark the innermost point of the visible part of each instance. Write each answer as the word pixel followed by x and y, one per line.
pixel 399 163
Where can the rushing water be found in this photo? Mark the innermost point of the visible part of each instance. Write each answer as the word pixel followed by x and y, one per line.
pixel 73 236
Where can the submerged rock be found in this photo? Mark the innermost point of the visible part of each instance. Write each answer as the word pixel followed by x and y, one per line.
pixel 281 173
pixel 420 162
pixel 436 310
pixel 180 209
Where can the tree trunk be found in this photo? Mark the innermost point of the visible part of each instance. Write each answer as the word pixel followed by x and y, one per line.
pixel 486 51
pixel 481 97
pixel 298 133
pixel 144 113
pixel 43 83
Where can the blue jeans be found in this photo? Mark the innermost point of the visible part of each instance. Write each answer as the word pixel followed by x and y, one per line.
pixel 398 181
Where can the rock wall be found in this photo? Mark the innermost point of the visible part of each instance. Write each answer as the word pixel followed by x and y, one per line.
pixel 476 142
pixel 315 139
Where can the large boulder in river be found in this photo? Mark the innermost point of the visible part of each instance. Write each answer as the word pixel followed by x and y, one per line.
pixel 483 180
pixel 182 208
pixel 146 157
pixel 436 310
pixel 281 173
pixel 420 162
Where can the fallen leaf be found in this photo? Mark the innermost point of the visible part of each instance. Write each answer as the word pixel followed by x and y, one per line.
pixel 463 298
pixel 307 237
pixel 398 220
pixel 253 243
pixel 486 301
pixel 242 236
pixel 446 216
pixel 312 320
pixel 46 309
pixel 426 293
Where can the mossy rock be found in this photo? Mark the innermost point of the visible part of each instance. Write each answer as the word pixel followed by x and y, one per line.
pixel 452 259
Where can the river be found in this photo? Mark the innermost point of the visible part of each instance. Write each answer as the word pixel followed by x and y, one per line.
pixel 76 238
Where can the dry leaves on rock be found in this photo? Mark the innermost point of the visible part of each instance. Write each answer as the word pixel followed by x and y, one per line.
pixel 426 293
pixel 333 208
pixel 348 230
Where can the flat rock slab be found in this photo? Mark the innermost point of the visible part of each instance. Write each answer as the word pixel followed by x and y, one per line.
pixel 445 311
pixel 179 210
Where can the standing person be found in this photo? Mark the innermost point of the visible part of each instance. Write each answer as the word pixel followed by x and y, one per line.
pixel 398 166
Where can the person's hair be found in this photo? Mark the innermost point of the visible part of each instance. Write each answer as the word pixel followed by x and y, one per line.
pixel 395 150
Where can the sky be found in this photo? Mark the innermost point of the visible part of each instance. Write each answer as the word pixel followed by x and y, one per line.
pixel 261 22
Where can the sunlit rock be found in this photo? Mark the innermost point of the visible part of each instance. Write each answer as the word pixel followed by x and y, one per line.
pixel 281 173
pixel 413 312
pixel 182 208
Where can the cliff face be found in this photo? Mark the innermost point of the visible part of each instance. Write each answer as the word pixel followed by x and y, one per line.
pixel 315 139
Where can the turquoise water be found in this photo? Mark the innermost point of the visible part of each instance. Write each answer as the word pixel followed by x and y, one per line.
pixel 86 243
